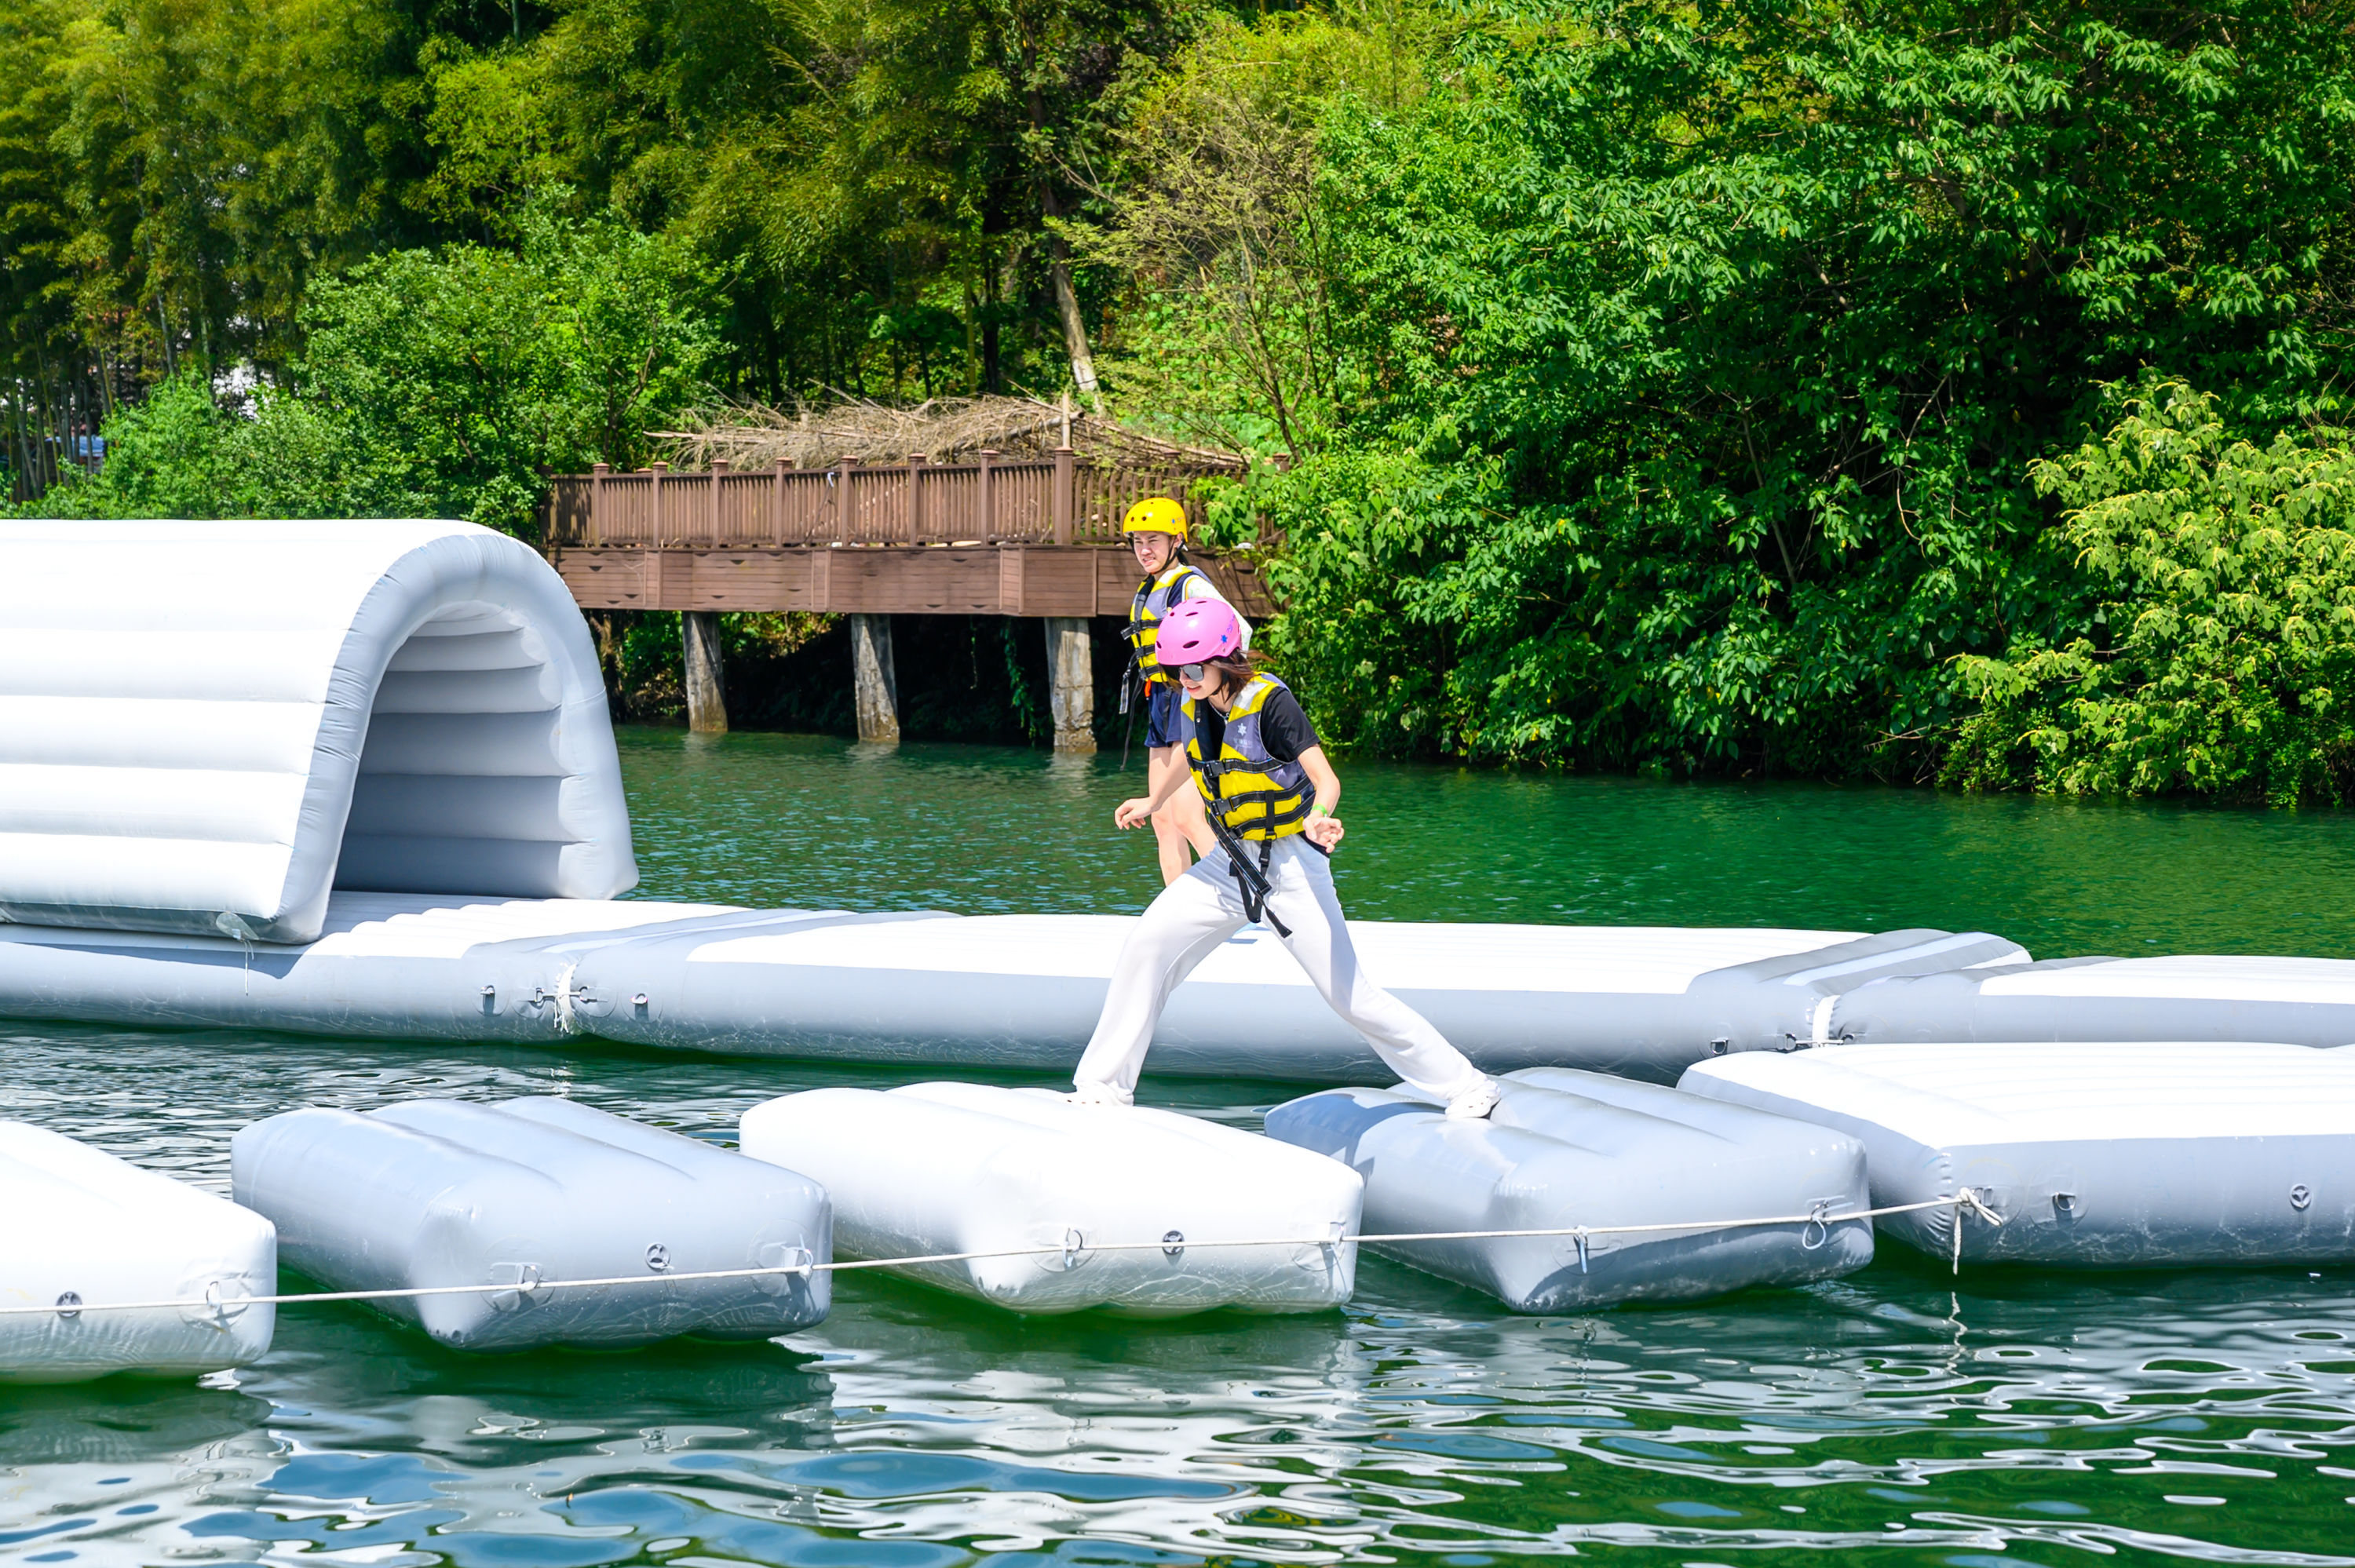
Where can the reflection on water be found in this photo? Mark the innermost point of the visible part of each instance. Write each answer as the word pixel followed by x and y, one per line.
pixel 2006 1418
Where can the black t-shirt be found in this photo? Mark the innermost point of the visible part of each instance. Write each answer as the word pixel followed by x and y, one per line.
pixel 1282 722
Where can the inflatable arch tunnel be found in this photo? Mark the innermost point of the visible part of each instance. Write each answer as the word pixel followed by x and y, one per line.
pixel 208 727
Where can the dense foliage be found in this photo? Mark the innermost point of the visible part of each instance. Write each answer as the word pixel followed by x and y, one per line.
pixel 1708 353
pixel 2221 652
pixel 430 385
pixel 873 187
pixel 1716 386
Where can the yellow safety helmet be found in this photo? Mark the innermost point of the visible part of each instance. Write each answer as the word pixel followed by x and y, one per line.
pixel 1154 514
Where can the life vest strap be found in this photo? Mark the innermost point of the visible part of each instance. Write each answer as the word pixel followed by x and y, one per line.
pixel 1145 615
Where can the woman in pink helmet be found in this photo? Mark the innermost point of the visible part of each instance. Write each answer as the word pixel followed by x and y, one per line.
pixel 1269 794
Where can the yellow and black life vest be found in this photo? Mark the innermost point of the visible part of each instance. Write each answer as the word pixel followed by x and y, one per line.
pixel 1153 598
pixel 1245 787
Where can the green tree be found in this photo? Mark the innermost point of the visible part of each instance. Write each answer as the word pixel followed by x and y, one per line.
pixel 173 173
pixel 2220 657
pixel 1706 350
pixel 435 383
pixel 476 367
pixel 1211 212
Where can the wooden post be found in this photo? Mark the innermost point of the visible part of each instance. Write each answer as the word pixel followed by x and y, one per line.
pixel 777 505
pixel 1071 683
pixel 915 498
pixel 875 690
pixel 718 473
pixel 707 702
pixel 1062 495
pixel 597 472
pixel 842 473
pixel 988 501
pixel 660 538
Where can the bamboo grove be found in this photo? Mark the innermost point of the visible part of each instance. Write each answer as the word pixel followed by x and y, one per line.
pixel 1945 391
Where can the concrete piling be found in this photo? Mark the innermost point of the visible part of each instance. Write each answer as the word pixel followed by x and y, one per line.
pixel 707 694
pixel 875 689
pixel 1071 683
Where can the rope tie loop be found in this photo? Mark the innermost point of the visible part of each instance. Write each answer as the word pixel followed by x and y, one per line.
pixel 1967 1201
pixel 1816 1227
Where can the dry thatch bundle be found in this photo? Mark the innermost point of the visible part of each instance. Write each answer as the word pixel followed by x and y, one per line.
pixel 946 429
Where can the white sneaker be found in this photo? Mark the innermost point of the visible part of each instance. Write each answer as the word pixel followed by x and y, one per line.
pixel 1097 1095
pixel 1473 1104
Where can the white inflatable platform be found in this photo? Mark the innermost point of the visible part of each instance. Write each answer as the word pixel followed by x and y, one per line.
pixel 2104 1154
pixel 1000 992
pixel 387 966
pixel 85 1227
pixel 2297 1001
pixel 1022 991
pixel 521 1193
pixel 964 1168
pixel 1569 1149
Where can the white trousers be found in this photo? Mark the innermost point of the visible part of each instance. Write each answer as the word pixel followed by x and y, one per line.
pixel 1202 910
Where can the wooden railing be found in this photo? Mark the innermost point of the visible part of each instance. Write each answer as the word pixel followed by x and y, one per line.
pixel 1066 500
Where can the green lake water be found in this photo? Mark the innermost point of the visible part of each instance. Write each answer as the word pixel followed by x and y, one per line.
pixel 1899 1415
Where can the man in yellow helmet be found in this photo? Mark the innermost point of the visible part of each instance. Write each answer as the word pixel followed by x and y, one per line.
pixel 1155 528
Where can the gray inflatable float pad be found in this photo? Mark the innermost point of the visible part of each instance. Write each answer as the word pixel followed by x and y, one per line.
pixel 439 1192
pixel 1060 1194
pixel 1566 1147
pixel 2298 1002
pixel 2099 1153
pixel 86 1227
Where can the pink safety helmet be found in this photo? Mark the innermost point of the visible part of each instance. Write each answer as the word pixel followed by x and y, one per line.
pixel 1197 630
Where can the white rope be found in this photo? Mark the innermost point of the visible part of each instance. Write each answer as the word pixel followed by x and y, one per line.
pixel 1966 1200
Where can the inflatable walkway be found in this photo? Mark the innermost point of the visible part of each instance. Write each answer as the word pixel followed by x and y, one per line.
pixel 2300 1001
pixel 1013 992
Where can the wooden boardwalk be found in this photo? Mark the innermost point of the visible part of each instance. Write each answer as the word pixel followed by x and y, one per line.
pixel 1029 538
pixel 1037 537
